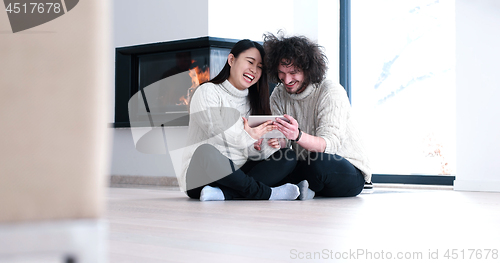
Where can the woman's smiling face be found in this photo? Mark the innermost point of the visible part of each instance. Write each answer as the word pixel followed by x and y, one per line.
pixel 246 69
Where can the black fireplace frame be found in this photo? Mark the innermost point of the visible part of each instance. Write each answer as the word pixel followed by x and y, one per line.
pixel 127 68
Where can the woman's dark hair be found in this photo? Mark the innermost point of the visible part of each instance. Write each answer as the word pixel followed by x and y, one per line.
pixel 258 92
pixel 298 51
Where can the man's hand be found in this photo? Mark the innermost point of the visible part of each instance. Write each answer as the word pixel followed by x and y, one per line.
pixel 289 129
pixel 291 132
pixel 258 131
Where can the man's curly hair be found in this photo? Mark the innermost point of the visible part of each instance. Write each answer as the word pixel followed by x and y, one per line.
pixel 298 51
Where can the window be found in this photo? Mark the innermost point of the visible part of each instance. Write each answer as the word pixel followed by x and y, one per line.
pixel 403 84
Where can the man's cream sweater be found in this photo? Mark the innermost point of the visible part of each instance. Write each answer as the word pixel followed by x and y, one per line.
pixel 324 110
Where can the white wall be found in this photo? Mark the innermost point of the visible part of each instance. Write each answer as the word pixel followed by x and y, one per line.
pixel 240 19
pixel 126 160
pixel 478 91
pixel 148 21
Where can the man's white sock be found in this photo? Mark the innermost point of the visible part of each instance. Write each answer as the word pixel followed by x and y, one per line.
pixel 305 192
pixel 284 192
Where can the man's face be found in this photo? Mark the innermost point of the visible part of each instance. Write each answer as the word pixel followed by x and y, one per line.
pixel 292 78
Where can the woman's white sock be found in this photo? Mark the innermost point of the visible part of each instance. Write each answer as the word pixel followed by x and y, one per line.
pixel 209 193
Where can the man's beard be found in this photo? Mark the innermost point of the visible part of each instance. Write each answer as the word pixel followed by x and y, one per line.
pixel 301 88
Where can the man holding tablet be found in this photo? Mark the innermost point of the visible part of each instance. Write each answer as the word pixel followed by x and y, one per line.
pixel 332 159
pixel 256 120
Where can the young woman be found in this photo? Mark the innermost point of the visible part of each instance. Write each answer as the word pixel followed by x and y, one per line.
pixel 216 165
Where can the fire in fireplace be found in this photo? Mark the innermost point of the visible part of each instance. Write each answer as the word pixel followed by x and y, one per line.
pixel 198 76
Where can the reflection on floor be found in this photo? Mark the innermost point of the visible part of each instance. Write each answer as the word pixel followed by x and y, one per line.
pixel 152 225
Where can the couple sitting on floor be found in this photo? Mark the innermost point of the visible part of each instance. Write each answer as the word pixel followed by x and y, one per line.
pixel 227 159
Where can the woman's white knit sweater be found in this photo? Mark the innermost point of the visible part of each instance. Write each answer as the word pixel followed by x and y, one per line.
pixel 215 118
pixel 324 110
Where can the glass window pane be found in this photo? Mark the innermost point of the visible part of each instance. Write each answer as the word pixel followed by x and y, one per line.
pixel 403 83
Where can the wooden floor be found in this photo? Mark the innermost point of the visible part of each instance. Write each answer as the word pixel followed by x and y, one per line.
pixel 163 225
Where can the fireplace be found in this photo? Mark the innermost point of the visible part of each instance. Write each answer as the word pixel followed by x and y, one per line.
pixel 154 81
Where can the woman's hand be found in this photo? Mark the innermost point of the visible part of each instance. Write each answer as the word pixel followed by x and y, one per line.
pixel 257 144
pixel 277 143
pixel 258 131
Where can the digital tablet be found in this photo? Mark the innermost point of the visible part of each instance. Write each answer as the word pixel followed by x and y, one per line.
pixel 256 120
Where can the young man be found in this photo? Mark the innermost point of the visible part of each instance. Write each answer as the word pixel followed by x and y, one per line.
pixel 332 159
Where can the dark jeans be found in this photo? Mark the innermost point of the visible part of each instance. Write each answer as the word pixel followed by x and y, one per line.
pixel 328 175
pixel 252 181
